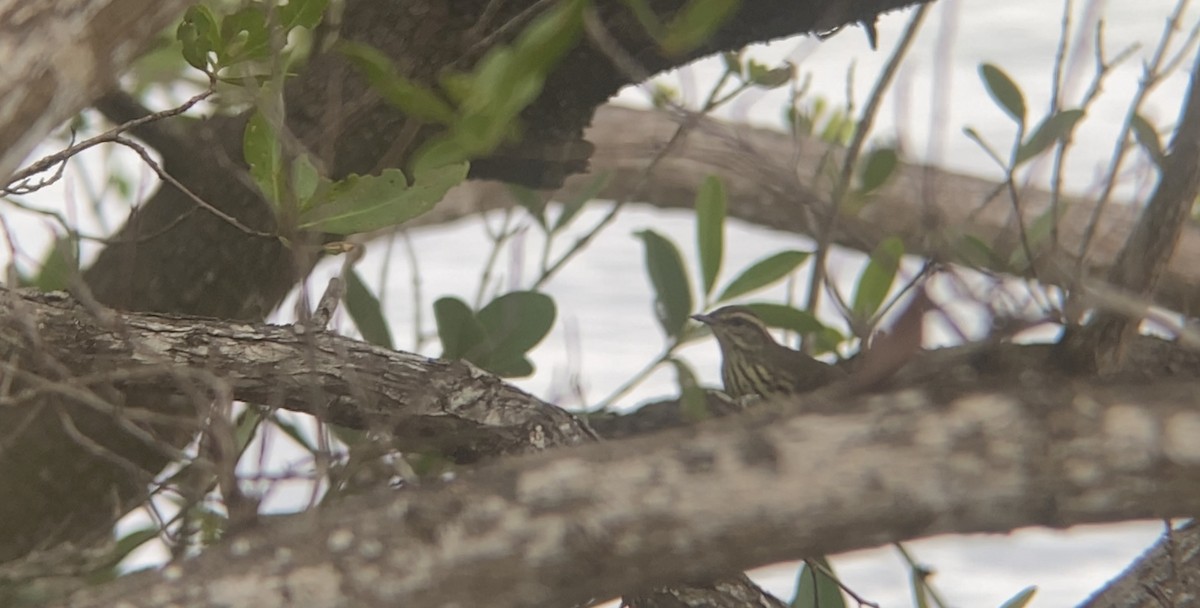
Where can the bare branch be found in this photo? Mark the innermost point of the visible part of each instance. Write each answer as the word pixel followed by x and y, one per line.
pixel 564 527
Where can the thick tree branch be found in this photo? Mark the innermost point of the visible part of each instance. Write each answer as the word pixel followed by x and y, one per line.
pixel 1168 574
pixel 566 526
pixel 174 257
pixel 426 404
pixel 767 176
pixel 1058 453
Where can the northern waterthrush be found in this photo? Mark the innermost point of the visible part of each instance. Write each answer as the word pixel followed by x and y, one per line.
pixel 753 363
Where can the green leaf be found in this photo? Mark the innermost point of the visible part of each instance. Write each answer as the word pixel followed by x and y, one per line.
pixel 974 136
pixel 692 399
pixel 815 589
pixel 770 78
pixel 61 263
pixel 412 98
pixel 531 201
pixel 126 544
pixel 305 180
pixel 782 316
pixel 246 427
pixel 1021 599
pixel 245 35
pixel 710 230
pixel 1052 129
pixel 302 13
pixel 199 34
pixel 503 84
pixel 461 333
pixel 976 253
pixel 877 278
pixel 764 272
pixel 878 167
pixel 571 207
pixel 672 292
pixel 645 15
pixel 695 24
pixel 263 154
pixel 508 365
pixel 365 203
pixel 119 551
pixel 733 62
pixel 827 341
pixel 514 323
pixel 1147 137
pixel 365 311
pixel 1006 92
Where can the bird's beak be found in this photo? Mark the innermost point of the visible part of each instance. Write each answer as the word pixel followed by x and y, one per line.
pixel 705 319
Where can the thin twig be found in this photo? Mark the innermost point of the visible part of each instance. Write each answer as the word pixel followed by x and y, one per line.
pixel 108 136
pixel 861 131
pixel 1152 76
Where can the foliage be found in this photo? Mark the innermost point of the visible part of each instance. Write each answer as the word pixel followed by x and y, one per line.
pixel 477 110
pixel 498 336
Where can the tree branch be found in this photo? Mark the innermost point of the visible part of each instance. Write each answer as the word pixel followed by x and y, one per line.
pixel 599 519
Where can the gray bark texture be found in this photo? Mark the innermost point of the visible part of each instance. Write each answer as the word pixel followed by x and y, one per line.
pixel 107 399
pixel 844 471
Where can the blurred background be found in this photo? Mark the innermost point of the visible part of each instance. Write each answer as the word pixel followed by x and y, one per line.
pixel 605 333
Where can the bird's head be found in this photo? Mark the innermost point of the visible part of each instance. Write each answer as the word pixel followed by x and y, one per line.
pixel 737 328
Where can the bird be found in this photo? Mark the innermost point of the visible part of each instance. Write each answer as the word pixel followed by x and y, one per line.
pixel 754 364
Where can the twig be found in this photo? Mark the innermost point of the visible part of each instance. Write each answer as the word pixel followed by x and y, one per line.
pixel 1149 247
pixel 863 129
pixel 108 136
pixel 1152 76
pixel 167 177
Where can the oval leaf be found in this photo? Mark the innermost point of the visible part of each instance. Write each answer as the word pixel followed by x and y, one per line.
pixel 1147 137
pixel 1006 92
pixel 572 206
pixel 531 201
pixel 302 13
pixel 60 265
pixel 362 203
pixel 782 316
pixel 695 24
pixel 413 99
pixel 672 292
pixel 815 589
pixel 710 230
pixel 878 168
pixel 365 311
pixel 877 277
pixel 1021 599
pixel 461 333
pixel 510 366
pixel 263 154
pixel 763 273
pixel 515 322
pixel 1054 128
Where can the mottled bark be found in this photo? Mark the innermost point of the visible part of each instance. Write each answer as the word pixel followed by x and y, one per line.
pixel 562 527
pixel 175 257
